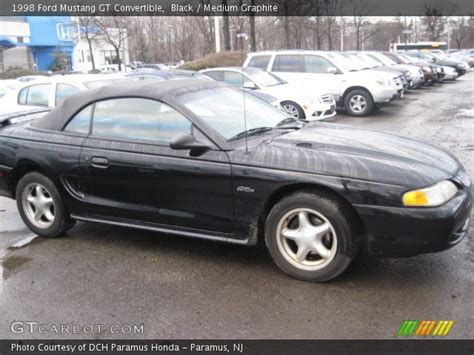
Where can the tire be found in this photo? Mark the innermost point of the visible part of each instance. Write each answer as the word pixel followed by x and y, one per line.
pixel 293 109
pixel 331 224
pixel 358 103
pixel 35 192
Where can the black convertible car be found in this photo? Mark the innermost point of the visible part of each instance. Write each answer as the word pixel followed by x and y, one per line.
pixel 195 158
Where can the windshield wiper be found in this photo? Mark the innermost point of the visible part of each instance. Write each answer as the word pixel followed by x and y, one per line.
pixel 250 132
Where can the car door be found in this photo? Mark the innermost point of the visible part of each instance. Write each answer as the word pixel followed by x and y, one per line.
pixel 133 174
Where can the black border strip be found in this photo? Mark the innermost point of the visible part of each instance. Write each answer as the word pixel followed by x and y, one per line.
pixel 261 347
pixel 236 7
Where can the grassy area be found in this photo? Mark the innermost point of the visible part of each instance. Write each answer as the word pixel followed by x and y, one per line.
pixel 13 73
pixel 223 59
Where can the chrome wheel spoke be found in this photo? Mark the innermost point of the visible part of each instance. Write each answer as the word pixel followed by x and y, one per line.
pixel 303 220
pixel 48 215
pixel 38 214
pixel 291 234
pixel 302 253
pixel 321 250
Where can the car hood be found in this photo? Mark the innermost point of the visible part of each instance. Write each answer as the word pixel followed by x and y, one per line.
pixel 449 63
pixel 345 151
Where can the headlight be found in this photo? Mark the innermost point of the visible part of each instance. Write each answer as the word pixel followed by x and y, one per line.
pixel 382 81
pixel 431 196
pixel 313 101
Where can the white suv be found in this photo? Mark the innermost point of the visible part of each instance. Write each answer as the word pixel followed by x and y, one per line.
pixel 359 91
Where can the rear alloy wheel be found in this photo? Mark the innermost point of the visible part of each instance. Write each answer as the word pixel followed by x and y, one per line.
pixel 40 206
pixel 310 236
pixel 358 103
pixel 293 109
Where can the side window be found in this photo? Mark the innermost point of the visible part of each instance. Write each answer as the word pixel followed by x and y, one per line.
pixel 316 64
pixel 80 123
pixel 233 78
pixel 259 61
pixel 22 96
pixel 216 75
pixel 288 63
pixel 135 119
pixel 63 91
pixel 38 95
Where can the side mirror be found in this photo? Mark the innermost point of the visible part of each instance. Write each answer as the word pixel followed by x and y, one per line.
pixel 332 70
pixel 187 141
pixel 249 85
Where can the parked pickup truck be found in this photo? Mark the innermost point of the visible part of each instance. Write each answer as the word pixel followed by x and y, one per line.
pixel 359 92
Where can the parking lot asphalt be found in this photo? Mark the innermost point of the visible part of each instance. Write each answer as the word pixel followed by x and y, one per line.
pixel 184 288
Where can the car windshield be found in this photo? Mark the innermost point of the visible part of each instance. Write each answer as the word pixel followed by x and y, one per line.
pixel 440 56
pixel 385 60
pixel 99 83
pixel 342 62
pixel 404 59
pixel 408 58
pixel 369 60
pixel 357 61
pixel 222 108
pixel 265 79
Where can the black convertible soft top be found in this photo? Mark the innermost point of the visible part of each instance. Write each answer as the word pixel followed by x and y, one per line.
pixel 157 90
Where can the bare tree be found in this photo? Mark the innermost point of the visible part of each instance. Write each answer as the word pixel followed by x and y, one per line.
pixel 361 10
pixel 113 30
pixel 88 29
pixel 460 30
pixel 434 20
pixel 330 9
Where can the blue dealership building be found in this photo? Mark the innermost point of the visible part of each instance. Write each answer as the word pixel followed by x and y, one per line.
pixel 32 41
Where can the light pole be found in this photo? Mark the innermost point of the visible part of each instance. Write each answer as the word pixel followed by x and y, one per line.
pixel 406 33
pixel 218 34
pixel 241 35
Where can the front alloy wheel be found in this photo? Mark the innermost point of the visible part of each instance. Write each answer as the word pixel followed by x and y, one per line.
pixel 306 239
pixel 358 103
pixel 293 109
pixel 311 235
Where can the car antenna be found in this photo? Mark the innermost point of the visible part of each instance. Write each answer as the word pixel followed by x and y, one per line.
pixel 245 123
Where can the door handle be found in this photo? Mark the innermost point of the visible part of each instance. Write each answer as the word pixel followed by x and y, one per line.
pixel 99 162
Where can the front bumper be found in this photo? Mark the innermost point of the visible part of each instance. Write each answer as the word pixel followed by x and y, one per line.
pixel 321 111
pixel 450 76
pixel 384 95
pixel 402 232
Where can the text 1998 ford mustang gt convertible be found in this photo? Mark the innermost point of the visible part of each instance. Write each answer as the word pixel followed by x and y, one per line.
pixel 184 157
